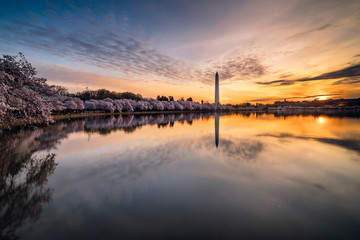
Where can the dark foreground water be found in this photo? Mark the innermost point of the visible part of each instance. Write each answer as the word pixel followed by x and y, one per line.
pixel 195 176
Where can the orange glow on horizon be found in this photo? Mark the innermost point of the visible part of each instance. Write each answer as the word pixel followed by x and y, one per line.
pixel 323 98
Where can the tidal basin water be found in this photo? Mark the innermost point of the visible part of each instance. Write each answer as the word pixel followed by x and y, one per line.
pixel 183 176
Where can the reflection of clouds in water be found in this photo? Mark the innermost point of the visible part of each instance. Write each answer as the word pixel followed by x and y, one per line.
pixel 241 149
pixel 350 143
pixel 307 183
pixel 117 174
pixel 132 163
pixel 230 150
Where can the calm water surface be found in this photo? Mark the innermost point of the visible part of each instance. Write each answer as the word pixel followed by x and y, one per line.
pixel 183 176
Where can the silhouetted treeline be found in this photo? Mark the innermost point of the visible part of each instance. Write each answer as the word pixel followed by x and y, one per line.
pixel 171 98
pixel 315 105
pixel 320 103
pixel 104 93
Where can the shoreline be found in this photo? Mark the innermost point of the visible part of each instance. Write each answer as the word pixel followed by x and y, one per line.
pixel 39 121
pixel 80 115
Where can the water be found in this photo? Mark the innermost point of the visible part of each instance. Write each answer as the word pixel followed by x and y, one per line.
pixel 183 176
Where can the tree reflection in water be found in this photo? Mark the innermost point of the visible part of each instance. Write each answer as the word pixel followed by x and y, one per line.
pixel 129 123
pixel 23 180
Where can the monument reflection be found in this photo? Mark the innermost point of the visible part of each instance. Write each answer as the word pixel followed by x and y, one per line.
pixel 216 129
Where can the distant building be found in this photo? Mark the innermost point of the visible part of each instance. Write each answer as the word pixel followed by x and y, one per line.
pixel 217 88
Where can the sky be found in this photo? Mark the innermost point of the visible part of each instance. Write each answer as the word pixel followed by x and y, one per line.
pixel 264 50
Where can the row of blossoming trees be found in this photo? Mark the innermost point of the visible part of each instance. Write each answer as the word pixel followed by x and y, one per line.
pixel 128 105
pixel 25 96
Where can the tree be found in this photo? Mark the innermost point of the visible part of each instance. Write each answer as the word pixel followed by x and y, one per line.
pixel 104 93
pixel 21 70
pixel 171 98
pixel 189 99
pixel 25 96
pixel 60 90
pixel 162 98
pixel 130 95
pixel 19 92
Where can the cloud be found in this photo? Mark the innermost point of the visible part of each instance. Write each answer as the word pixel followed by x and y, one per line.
pixel 350 80
pixel 299 97
pixel 105 48
pixel 243 68
pixel 285 75
pixel 110 46
pixel 263 99
pixel 108 36
pixel 307 32
pixel 317 95
pixel 234 69
pixel 352 71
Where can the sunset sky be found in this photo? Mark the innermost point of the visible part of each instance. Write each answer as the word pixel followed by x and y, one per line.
pixel 263 50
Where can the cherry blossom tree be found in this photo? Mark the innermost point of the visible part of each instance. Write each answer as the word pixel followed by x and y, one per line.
pixel 20 101
pixel 25 96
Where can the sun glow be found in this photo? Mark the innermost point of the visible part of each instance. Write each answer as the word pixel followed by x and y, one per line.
pixel 323 97
pixel 321 120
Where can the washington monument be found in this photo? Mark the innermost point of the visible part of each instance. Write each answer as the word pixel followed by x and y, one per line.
pixel 216 88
